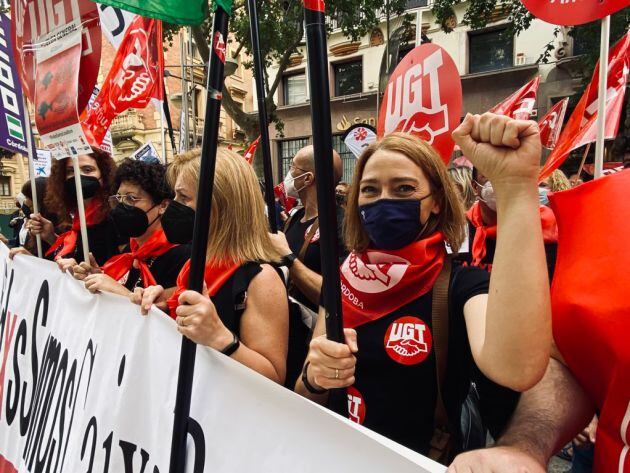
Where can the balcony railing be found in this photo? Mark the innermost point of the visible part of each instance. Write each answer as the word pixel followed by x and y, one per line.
pixel 125 125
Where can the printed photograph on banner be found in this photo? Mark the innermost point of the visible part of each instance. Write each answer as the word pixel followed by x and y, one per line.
pixel 36 19
pixel 57 90
pixel 13 118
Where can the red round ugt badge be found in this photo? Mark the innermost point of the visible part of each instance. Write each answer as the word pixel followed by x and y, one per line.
pixel 356 405
pixel 408 341
pixel 575 12
pixel 424 98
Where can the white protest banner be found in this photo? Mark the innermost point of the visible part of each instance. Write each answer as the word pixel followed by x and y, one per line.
pixel 87 384
pixel 57 90
pixel 42 163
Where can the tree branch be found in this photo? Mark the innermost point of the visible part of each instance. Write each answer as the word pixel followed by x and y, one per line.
pixel 202 44
pixel 284 63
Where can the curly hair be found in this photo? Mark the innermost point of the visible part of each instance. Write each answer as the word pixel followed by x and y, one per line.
pixel 56 200
pixel 151 177
pixel 557 181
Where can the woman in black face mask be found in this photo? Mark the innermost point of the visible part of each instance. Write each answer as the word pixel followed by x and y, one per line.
pixel 137 209
pixel 408 316
pixel 97 174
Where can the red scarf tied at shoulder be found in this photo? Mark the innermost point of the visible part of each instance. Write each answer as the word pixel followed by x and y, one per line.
pixel 377 282
pixel 482 231
pixel 94 215
pixel 215 276
pixel 155 246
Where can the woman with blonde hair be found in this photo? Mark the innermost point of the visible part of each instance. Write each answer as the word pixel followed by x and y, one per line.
pixel 243 311
pixel 462 178
pixel 414 328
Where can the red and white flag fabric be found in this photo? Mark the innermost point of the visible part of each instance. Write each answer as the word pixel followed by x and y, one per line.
pixel 136 77
pixel 551 124
pixel 251 150
pixel 287 202
pixel 581 128
pixel 520 104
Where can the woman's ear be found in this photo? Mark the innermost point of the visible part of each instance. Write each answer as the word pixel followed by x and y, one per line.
pixel 163 205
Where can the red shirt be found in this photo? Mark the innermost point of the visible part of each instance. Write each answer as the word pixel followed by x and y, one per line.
pixel 591 306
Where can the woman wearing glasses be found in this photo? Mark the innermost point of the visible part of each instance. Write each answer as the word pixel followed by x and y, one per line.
pixel 136 211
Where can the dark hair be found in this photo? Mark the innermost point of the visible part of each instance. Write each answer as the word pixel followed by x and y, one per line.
pixel 40 187
pixel 150 176
pixel 56 199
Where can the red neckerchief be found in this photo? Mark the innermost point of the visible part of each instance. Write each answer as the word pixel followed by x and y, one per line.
pixel 155 246
pixel 377 282
pixel 547 220
pixel 94 215
pixel 214 276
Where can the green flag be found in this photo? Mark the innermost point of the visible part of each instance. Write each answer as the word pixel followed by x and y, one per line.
pixel 179 12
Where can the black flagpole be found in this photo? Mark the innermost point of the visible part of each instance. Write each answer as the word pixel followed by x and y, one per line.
pixel 314 16
pixel 262 115
pixel 200 233
pixel 169 123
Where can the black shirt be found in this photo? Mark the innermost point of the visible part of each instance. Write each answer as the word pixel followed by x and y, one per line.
pixel 296 233
pixel 103 241
pixel 395 390
pixel 165 268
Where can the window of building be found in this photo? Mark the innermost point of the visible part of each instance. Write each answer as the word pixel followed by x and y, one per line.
pixel 294 87
pixel 347 158
pixel 416 3
pixel 490 50
pixel 288 149
pixel 348 78
pixel 5 186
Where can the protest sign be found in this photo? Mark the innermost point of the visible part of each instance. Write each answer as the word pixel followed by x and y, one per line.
pixel 13 119
pixel 42 162
pixel 358 137
pixel 57 90
pixel 87 384
pixel 424 98
pixel 147 153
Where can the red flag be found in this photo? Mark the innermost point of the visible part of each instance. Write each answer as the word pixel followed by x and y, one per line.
pixel 581 128
pixel 136 77
pixel 591 307
pixel 251 150
pixel 551 124
pixel 521 103
pixel 287 202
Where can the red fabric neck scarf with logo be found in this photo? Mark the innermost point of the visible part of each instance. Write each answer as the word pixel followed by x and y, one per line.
pixel 215 275
pixel 94 215
pixel 155 246
pixel 377 282
pixel 482 231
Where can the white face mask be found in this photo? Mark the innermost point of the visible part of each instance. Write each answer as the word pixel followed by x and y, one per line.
pixel 289 185
pixel 487 195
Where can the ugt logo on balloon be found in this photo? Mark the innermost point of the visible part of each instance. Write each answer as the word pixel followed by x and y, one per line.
pixel 424 98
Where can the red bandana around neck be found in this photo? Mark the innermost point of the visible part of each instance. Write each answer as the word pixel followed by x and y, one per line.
pixel 155 246
pixel 215 276
pixel 68 241
pixel 375 283
pixel 478 249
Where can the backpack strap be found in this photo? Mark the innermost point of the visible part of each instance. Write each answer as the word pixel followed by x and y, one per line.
pixel 307 239
pixel 440 322
pixel 291 218
pixel 242 278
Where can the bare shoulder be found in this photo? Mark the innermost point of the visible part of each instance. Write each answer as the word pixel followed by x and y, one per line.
pixel 267 283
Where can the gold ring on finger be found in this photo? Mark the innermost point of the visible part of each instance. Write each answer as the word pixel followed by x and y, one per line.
pixel 336 373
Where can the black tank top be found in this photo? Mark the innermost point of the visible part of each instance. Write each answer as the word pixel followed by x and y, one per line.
pixel 231 298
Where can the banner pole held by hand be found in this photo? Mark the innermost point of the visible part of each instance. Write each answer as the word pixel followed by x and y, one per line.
pixel 601 97
pixel 81 208
pixel 31 170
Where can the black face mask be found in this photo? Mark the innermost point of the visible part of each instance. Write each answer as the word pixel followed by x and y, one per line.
pixel 131 222
pixel 89 185
pixel 178 222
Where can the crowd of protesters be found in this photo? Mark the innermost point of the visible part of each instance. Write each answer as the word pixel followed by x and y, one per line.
pixel 445 277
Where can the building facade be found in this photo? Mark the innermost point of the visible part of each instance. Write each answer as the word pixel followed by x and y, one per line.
pixel 491 64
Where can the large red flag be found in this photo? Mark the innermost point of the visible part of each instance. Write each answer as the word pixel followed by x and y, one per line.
pixel 551 124
pixel 251 150
pixel 591 307
pixel 581 128
pixel 136 77
pixel 521 103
